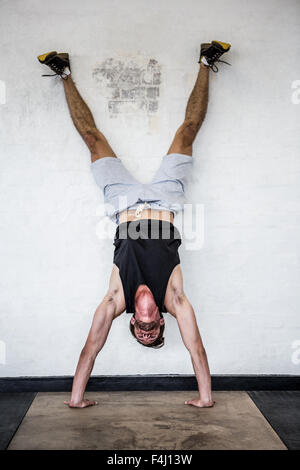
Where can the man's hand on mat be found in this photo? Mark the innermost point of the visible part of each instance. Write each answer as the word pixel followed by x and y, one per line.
pixel 81 404
pixel 200 403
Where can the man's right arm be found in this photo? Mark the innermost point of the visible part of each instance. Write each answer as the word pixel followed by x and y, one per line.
pixel 102 321
pixel 112 306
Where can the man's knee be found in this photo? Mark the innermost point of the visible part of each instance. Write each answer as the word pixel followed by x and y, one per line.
pixel 93 138
pixel 97 144
pixel 185 135
pixel 189 130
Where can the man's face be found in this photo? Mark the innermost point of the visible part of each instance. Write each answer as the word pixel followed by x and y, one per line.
pixel 147 318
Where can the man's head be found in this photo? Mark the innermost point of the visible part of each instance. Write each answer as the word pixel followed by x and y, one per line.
pixel 147 325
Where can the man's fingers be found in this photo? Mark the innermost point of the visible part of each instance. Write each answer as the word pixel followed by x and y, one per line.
pixel 200 404
pixel 83 404
pixel 91 402
pixel 191 402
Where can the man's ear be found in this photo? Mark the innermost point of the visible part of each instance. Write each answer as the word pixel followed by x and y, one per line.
pixel 161 321
pixel 132 320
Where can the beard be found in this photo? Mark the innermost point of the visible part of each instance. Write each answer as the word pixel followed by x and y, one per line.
pixel 145 326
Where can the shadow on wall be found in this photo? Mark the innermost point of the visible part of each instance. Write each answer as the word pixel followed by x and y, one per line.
pixel 129 86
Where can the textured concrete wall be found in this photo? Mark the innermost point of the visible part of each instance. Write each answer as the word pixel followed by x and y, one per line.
pixel 244 281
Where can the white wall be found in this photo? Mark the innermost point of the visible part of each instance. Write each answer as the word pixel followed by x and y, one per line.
pixel 244 282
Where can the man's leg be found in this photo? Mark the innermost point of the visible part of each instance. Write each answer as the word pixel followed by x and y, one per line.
pixel 194 115
pixel 84 122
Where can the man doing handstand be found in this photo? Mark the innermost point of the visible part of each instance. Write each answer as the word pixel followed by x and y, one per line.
pixel 146 279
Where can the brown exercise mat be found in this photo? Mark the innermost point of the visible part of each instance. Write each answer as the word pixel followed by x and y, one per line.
pixel 145 420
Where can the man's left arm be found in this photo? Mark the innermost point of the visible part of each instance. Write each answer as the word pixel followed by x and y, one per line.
pixel 190 334
pixel 178 305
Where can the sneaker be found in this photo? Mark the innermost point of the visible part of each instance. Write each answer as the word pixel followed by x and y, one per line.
pixel 211 52
pixel 57 62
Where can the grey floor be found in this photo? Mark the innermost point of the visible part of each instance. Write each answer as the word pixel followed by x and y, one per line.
pixel 146 420
pixel 282 410
pixel 13 408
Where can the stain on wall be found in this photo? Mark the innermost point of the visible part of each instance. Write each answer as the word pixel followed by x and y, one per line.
pixel 129 86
